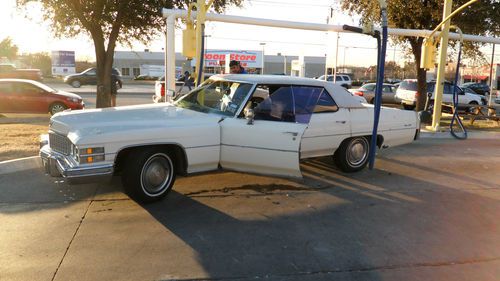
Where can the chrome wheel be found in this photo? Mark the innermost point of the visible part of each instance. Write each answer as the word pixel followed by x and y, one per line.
pixel 76 84
pixel 357 152
pixel 57 107
pixel 156 174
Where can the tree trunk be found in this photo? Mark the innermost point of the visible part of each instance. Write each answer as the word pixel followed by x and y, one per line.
pixel 416 47
pixel 104 64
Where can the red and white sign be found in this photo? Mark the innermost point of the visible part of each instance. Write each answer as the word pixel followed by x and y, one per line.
pixel 250 59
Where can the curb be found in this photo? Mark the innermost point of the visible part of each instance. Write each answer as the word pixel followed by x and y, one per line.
pixel 425 134
pixel 21 164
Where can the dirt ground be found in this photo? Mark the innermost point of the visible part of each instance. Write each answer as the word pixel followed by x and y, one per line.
pixel 20 134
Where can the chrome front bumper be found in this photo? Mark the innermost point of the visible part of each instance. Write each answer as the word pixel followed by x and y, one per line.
pixel 57 165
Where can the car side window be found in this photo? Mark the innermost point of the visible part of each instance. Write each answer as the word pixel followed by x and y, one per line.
pixel 91 72
pixel 26 88
pixel 278 106
pixel 305 100
pixel 369 87
pixel 286 103
pixel 386 89
pixel 447 89
pixel 325 103
pixel 340 78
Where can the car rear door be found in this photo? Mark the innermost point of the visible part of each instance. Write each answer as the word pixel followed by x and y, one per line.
pixel 328 126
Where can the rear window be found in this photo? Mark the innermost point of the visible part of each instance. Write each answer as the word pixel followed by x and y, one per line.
pixel 369 87
pixel 409 85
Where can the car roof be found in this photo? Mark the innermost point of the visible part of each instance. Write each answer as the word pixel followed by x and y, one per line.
pixel 271 79
pixel 342 97
pixel 17 80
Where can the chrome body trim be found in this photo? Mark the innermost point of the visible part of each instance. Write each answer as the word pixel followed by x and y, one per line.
pixel 57 164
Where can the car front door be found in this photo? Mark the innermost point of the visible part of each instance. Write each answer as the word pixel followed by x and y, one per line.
pixel 271 143
pixel 30 98
pixel 91 77
pixel 6 96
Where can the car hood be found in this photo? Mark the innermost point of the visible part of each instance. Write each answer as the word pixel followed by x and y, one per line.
pixel 67 94
pixel 127 122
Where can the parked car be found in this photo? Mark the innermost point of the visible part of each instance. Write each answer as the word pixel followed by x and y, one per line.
pixel 89 77
pixel 343 80
pixel 368 92
pixel 10 71
pixel 249 123
pixel 180 87
pixel 479 88
pixel 146 77
pixel 28 96
pixel 407 92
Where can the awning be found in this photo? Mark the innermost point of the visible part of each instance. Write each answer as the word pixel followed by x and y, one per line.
pixel 475 77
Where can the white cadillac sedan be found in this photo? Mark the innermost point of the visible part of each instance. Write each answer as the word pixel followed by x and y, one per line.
pixel 249 123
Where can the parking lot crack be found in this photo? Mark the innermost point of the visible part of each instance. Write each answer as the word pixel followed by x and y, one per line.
pixel 72 239
pixel 348 270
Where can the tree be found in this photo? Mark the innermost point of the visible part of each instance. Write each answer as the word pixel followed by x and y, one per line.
pixel 482 18
pixel 41 61
pixel 7 49
pixel 109 22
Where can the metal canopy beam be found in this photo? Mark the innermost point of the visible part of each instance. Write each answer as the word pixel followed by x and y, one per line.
pixel 319 26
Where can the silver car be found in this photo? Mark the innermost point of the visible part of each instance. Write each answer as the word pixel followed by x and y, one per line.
pixel 368 92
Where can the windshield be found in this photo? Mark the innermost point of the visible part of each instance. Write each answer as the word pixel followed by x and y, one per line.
pixel 219 97
pixel 43 86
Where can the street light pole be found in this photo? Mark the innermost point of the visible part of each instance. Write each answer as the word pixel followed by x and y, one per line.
pixel 263 44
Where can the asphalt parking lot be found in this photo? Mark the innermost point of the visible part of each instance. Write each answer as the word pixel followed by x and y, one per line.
pixel 429 211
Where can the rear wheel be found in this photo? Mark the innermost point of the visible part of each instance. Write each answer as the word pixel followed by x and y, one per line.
pixel 148 175
pixel 473 109
pixel 56 107
pixel 76 84
pixel 408 107
pixel 352 154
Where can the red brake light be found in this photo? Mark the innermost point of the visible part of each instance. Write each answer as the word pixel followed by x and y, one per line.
pixel 417 94
pixel 162 90
pixel 358 93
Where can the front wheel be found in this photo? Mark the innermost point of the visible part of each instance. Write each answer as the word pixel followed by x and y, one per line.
pixel 57 107
pixel 352 154
pixel 149 175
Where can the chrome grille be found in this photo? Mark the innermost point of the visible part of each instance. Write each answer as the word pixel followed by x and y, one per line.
pixel 59 143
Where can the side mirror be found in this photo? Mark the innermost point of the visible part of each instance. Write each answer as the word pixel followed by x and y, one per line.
pixel 249 115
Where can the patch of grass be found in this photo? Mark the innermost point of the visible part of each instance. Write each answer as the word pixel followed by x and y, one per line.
pixel 479 125
pixel 20 135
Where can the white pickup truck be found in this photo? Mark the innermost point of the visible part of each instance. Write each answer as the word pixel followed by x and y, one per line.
pixel 248 123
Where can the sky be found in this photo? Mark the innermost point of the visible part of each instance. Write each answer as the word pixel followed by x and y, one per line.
pixel 33 35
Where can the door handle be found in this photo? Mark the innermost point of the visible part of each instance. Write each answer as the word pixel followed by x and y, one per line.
pixel 292 133
pixel 341 122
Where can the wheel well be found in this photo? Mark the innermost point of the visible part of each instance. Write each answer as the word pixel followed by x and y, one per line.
pixel 380 139
pixel 177 152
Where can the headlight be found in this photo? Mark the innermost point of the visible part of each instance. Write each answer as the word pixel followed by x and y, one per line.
pixel 89 155
pixel 75 100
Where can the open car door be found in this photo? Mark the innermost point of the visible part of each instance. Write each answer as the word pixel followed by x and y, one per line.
pixel 271 144
pixel 266 147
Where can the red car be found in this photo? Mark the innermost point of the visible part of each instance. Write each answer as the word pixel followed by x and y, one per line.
pixel 28 96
